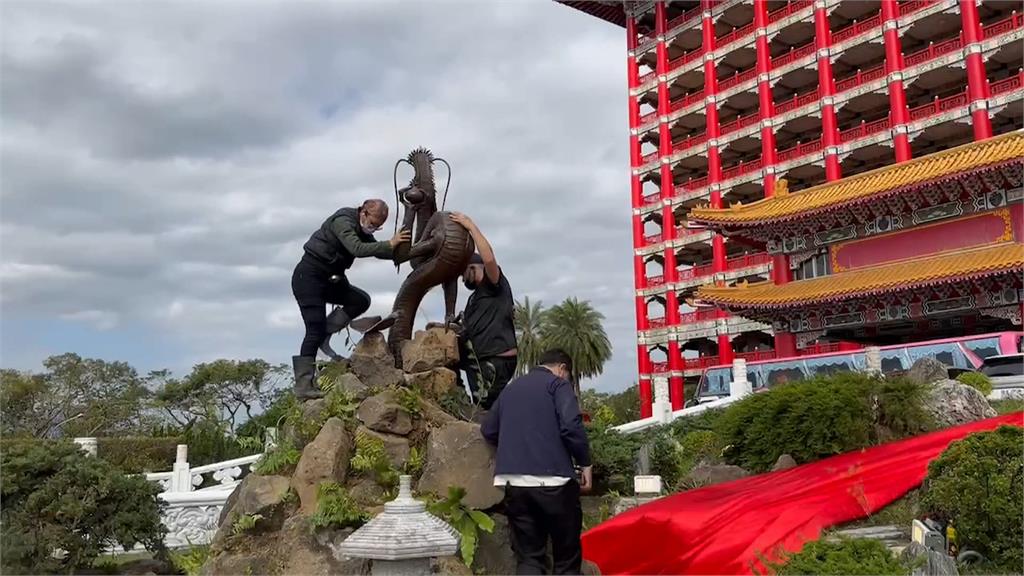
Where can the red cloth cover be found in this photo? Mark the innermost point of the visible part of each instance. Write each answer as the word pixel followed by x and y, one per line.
pixel 726 528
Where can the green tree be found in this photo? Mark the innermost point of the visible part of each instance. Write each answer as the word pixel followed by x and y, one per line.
pixel 75 396
pixel 222 391
pixel 528 317
pixel 56 497
pixel 576 327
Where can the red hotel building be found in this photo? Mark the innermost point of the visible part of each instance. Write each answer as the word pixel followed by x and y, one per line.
pixel 729 97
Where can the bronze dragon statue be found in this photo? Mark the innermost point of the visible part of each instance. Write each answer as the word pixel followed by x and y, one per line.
pixel 438 253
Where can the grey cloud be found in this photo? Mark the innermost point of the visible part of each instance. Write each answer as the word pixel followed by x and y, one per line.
pixel 189 152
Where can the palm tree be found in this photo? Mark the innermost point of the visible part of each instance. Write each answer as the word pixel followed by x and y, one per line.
pixel 527 318
pixel 575 327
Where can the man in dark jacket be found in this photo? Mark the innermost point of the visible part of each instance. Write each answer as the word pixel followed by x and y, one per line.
pixel 488 342
pixel 538 429
pixel 319 278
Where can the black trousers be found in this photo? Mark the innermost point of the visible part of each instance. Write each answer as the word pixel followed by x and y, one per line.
pixel 534 514
pixel 488 378
pixel 313 290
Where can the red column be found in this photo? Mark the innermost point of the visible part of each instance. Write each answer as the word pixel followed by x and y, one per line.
pixel 899 115
pixel 785 343
pixel 977 80
pixel 668 224
pixel 636 190
pixel 829 125
pixel 725 353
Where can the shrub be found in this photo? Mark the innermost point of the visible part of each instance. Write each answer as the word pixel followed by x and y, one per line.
pixel 335 508
pixel 977 484
pixel 842 558
pixel 135 454
pixel 821 417
pixel 614 459
pixel 57 497
pixel 667 460
pixel 1007 405
pixel 976 380
pixel 282 458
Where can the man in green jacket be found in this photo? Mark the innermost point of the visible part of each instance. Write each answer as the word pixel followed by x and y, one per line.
pixel 319 278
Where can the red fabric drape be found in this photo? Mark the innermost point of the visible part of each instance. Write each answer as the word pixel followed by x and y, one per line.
pixel 726 528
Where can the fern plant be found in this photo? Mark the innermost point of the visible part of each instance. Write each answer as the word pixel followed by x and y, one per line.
pixel 408 399
pixel 371 458
pixel 467 521
pixel 245 522
pixel 335 508
pixel 282 458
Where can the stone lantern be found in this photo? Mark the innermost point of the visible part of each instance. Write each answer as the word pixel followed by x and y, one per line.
pixel 402 540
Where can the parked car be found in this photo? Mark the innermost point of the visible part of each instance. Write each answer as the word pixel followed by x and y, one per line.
pixel 1007 374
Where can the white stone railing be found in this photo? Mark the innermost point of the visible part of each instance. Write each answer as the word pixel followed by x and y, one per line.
pixel 193 512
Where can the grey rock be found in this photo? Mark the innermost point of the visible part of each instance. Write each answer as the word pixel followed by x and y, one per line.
pixel 457 455
pixel 382 413
pixel 352 386
pixel 708 475
pixel 951 403
pixel 396 447
pixel 256 494
pixel 927 370
pixel 928 562
pixel 435 383
pixel 324 459
pixel 428 349
pixel 373 363
pixel 785 462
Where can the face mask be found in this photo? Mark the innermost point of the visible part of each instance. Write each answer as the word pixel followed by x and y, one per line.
pixel 470 284
pixel 369 229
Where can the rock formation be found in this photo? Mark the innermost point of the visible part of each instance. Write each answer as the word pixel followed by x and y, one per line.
pixel 270 525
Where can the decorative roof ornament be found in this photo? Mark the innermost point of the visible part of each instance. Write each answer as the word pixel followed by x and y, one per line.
pixel 781 188
pixel 405 531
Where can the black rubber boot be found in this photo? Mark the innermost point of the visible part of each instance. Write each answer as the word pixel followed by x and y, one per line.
pixel 337 320
pixel 305 370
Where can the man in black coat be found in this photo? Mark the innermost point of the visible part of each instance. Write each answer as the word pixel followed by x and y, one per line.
pixel 319 278
pixel 538 429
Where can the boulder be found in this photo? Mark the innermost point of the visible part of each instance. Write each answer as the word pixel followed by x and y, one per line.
pixel 324 459
pixel 373 363
pixel 312 411
pixel 435 383
pixel 367 492
pixel 303 551
pixel 494 553
pixel 927 370
pixel 396 447
pixel 382 413
pixel 785 462
pixel 928 562
pixel 951 403
pixel 352 386
pixel 434 415
pixel 433 348
pixel 707 475
pixel 457 455
pixel 255 495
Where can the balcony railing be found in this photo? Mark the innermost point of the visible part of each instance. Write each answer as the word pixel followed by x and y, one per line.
pixel 861 77
pixel 696 272
pixel 856 29
pixel 914 5
pixel 741 169
pixel 737 79
pixel 819 348
pixel 938 106
pixel 797 101
pixel 690 186
pixel 697 316
pixel 793 55
pixel 648 157
pixel 690 142
pixel 737 263
pixel 652 239
pixel 740 123
pixel 863 130
pixel 656 323
pixel 733 36
pixel 790 8
pixel 655 281
pixel 1007 84
pixel 675 63
pixel 683 19
pixel 652 198
pixel 1014 22
pixel 659 367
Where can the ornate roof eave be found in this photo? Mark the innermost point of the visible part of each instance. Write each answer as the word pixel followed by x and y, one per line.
pixel 951 267
pixel 871 186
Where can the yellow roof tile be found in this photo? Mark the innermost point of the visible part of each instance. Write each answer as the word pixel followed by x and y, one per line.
pixel 972 156
pixel 894 275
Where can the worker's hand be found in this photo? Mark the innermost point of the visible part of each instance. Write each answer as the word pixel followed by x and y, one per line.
pixel 463 220
pixel 402 236
pixel 587 479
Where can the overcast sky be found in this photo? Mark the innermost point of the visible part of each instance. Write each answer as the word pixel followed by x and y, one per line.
pixel 163 163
